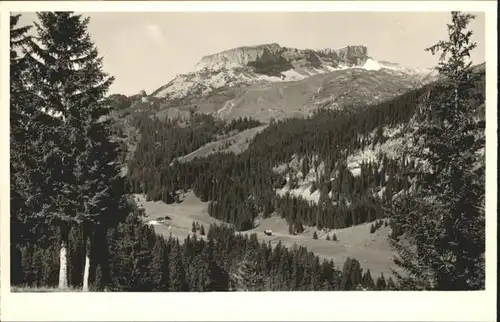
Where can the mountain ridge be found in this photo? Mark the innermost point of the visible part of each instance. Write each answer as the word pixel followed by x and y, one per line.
pixel 272 63
pixel 243 55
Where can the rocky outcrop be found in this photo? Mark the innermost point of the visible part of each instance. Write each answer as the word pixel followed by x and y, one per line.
pixel 248 56
pixel 351 55
pixel 236 57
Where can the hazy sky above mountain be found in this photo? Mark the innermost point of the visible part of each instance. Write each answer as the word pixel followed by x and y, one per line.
pixel 146 50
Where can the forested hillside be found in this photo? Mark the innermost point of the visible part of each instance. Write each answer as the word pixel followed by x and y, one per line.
pixel 242 187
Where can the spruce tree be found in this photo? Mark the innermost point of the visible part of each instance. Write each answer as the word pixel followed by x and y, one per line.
pixel 20 185
pixel 247 276
pixel 381 285
pixel 391 286
pixel 32 157
pixel 71 85
pixel 208 269
pixel 30 129
pixel 351 275
pixel 98 284
pixel 443 222
pixel 159 265
pixel 177 273
pixel 368 280
pixel 19 105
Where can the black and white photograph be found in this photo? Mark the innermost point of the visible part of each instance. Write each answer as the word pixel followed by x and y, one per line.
pixel 242 152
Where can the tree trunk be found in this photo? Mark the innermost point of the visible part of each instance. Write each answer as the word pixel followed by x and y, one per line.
pixel 63 266
pixel 85 287
pixel 86 271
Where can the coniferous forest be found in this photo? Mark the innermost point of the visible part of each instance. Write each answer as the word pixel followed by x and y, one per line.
pixel 74 223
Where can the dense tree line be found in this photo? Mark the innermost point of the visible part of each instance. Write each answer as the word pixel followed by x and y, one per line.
pixel 241 124
pixel 136 259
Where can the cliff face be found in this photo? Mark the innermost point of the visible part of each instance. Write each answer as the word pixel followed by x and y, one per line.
pixel 246 56
pixel 236 57
pixel 354 55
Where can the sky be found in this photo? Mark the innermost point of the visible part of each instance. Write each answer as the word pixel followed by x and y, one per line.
pixel 145 50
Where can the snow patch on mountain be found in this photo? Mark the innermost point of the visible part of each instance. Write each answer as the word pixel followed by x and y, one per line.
pixel 293 75
pixel 203 83
pixel 371 64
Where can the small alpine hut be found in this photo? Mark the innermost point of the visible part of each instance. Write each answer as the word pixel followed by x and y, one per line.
pixel 268 232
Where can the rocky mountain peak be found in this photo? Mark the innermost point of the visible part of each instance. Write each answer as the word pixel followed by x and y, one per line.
pixel 272 53
pixel 237 57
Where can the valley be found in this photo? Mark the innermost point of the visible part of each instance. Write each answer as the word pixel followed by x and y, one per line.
pixel 355 242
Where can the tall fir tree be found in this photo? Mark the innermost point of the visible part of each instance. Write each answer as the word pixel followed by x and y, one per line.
pixel 367 280
pixel 391 286
pixel 381 284
pixel 351 275
pixel 159 265
pixel 443 222
pixel 19 186
pixel 31 132
pixel 71 86
pixel 19 102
